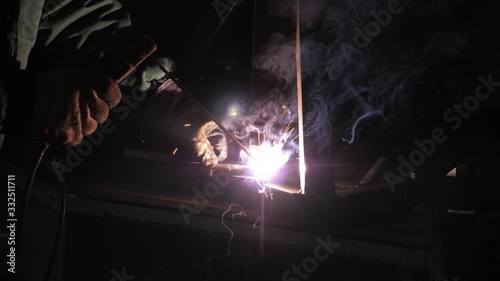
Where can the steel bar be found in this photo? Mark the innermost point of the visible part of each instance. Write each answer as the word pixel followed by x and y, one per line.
pixel 302 163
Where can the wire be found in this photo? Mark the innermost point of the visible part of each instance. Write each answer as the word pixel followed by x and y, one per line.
pixel 62 217
pixel 363 26
pixel 30 185
pixel 356 13
pixel 241 213
pixel 253 50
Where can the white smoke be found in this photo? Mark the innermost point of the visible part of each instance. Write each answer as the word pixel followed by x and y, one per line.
pixel 344 69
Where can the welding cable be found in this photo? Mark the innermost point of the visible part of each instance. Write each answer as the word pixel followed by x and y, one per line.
pixel 30 185
pixel 60 226
pixel 62 215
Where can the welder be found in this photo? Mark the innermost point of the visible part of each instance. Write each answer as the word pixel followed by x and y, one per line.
pixel 52 54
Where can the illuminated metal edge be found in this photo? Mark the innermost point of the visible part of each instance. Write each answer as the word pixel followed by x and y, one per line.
pixel 275 186
pixel 425 259
pixel 162 157
pixel 283 187
pixel 231 167
pixel 302 163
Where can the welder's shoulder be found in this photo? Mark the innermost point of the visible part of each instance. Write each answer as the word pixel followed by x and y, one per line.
pixel 81 33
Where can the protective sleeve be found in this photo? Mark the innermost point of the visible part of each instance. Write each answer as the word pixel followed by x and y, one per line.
pixel 86 34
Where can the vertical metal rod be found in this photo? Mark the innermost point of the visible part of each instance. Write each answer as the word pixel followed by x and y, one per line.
pixel 302 162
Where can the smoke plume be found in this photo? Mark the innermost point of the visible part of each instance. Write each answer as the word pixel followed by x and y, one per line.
pixel 362 66
pixel 358 58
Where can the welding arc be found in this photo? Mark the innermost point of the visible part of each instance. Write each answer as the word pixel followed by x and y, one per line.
pixel 200 106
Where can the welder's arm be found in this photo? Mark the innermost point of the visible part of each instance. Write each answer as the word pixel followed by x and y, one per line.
pixel 69 102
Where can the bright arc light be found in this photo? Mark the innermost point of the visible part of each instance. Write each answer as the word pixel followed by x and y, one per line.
pixel 233 111
pixel 267 160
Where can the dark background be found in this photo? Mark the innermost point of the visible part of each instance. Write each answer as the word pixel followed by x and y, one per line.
pixel 216 63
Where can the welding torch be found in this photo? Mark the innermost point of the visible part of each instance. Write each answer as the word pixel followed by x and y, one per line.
pixel 121 68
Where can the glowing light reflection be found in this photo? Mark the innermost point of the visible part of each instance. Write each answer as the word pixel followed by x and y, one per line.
pixel 267 160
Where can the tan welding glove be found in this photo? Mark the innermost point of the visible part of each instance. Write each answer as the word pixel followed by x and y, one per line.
pixel 210 155
pixel 72 101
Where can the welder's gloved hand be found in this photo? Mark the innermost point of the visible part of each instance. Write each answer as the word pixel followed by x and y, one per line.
pixel 210 155
pixel 149 77
pixel 72 101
